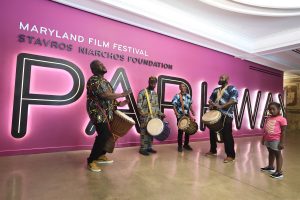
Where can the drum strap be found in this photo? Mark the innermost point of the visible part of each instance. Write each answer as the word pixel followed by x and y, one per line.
pixel 181 102
pixel 148 102
pixel 220 93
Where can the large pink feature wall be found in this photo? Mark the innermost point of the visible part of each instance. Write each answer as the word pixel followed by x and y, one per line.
pixel 57 128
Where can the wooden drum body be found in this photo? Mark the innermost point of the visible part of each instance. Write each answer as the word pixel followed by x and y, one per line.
pixel 119 126
pixel 212 120
pixel 121 123
pixel 188 125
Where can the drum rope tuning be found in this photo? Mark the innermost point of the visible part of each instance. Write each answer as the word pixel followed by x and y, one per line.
pixel 119 127
pixel 186 123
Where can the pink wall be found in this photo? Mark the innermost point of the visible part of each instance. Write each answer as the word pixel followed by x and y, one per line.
pixel 54 128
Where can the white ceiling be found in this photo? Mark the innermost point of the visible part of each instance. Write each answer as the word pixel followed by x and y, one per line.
pixel 262 31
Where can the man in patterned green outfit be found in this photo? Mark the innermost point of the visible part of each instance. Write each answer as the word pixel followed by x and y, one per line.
pixel 145 116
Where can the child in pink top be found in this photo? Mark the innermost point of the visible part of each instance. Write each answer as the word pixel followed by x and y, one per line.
pixel 273 138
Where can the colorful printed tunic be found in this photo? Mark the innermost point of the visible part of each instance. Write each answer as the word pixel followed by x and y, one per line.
pixel 98 108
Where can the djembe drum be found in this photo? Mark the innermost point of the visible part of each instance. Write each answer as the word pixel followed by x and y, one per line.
pixel 119 126
pixel 188 125
pixel 213 120
pixel 158 129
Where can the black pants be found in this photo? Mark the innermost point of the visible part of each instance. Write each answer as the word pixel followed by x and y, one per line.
pixel 179 137
pixel 227 138
pixel 103 134
pixel 186 138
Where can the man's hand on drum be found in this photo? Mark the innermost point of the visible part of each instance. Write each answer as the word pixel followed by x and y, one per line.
pixel 211 105
pixel 218 106
pixel 193 113
pixel 123 103
pixel 126 93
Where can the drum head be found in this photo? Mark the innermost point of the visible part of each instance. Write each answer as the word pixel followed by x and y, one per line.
pixel 155 126
pixel 212 115
pixel 183 123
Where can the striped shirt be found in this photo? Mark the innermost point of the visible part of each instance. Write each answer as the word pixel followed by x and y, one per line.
pixel 187 102
pixel 229 93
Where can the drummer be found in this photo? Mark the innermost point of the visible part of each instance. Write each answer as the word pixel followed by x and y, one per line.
pixel 223 99
pixel 101 103
pixel 182 105
pixel 145 115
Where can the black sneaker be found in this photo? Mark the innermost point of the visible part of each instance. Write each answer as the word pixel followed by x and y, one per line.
pixel 187 147
pixel 152 151
pixel 268 169
pixel 180 149
pixel 144 152
pixel 277 175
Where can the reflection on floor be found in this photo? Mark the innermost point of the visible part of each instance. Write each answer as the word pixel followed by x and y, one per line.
pixel 166 175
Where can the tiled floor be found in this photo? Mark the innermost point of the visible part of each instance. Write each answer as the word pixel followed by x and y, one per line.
pixel 166 175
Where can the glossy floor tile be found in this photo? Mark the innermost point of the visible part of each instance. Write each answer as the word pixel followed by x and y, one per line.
pixel 163 176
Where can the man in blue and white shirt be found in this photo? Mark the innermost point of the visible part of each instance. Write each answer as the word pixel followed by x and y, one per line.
pixel 223 99
pixel 181 111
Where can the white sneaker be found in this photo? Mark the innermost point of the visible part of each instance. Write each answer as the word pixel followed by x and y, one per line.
pixel 93 167
pixel 104 160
